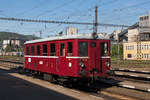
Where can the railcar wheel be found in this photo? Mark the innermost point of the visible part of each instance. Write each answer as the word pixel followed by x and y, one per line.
pixel 48 77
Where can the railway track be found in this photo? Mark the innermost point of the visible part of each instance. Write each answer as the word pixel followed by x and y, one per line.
pixel 122 81
pixel 132 74
pixel 12 61
pixel 131 70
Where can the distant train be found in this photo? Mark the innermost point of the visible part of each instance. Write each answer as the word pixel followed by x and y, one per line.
pixel 72 57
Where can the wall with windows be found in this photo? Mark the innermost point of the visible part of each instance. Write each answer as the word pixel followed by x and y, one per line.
pixel 130 50
pixel 132 35
pixel 50 49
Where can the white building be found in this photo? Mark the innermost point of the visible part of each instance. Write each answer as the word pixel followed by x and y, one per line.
pixel 71 30
pixel 133 35
pixel 116 33
pixel 11 42
pixel 5 43
pixel 144 23
pixel 142 32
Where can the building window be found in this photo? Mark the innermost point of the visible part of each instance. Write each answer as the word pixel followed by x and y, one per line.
pixel 52 49
pixel 62 49
pixel 32 50
pixel 44 49
pixel 146 47
pixel 38 50
pixel 27 51
pixel 70 49
pixel 149 46
pixel 130 47
pixel 129 56
pixel 148 55
pixel 141 18
pixel 142 47
pixel 142 55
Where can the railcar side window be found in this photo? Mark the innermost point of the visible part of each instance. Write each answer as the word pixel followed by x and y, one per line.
pixel 38 50
pixel 104 49
pixel 62 49
pixel 70 49
pixel 44 49
pixel 27 51
pixel 83 49
pixel 52 49
pixel 32 50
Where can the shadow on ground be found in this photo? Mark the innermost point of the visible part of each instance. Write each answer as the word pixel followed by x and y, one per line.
pixel 94 87
pixel 12 88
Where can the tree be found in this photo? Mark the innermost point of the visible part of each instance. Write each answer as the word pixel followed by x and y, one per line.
pixel 114 51
pixel 8 48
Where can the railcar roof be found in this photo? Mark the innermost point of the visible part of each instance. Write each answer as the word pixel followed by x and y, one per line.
pixel 66 37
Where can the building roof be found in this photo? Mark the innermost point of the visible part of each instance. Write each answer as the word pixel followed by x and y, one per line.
pixel 131 27
pixel 64 37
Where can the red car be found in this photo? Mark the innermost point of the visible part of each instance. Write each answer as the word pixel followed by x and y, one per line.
pixel 70 56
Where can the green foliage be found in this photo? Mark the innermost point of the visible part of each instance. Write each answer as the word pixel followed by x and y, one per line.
pixel 10 35
pixel 114 51
pixel 1 41
pixel 13 48
pixel 8 49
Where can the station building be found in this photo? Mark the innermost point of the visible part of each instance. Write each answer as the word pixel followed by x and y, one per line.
pixel 136 50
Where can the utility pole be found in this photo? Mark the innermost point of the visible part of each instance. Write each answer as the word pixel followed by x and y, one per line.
pixel 96 20
pixel 40 34
pixel 118 47
pixel 139 47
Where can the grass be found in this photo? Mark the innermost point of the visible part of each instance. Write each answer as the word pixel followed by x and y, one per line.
pixel 115 62
pixel 129 63
pixel 19 58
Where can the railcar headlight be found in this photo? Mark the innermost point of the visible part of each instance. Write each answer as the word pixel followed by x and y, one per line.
pixel 82 64
pixel 107 64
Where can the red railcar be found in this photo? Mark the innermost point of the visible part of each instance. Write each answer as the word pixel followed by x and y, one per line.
pixel 73 56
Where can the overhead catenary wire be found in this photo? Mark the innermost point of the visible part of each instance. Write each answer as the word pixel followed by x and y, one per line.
pixel 108 2
pixel 39 4
pixel 60 22
pixel 125 8
pixel 81 13
pixel 54 9
pixel 129 7
pixel 135 5
pixel 123 11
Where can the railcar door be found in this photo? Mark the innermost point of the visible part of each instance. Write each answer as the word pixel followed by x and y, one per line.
pixel 94 57
pixel 62 59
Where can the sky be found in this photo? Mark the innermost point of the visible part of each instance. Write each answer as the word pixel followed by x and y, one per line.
pixel 122 12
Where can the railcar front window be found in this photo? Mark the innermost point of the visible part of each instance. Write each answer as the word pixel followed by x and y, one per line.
pixel 69 48
pixel 27 51
pixel 93 44
pixel 83 49
pixel 104 49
